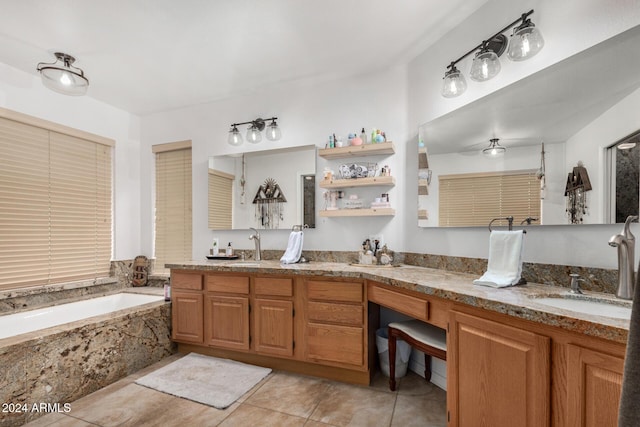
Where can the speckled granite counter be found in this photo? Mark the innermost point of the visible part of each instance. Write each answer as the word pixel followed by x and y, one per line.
pixel 518 301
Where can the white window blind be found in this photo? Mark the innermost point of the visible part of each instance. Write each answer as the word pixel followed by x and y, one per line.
pixel 220 200
pixel 55 206
pixel 173 206
pixel 476 198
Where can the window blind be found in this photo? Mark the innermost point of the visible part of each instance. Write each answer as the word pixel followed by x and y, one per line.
pixel 55 206
pixel 173 207
pixel 220 200
pixel 476 198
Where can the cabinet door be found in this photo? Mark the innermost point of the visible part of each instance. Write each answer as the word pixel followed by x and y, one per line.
pixel 498 375
pixel 335 343
pixel 226 322
pixel 186 317
pixel 273 327
pixel 594 384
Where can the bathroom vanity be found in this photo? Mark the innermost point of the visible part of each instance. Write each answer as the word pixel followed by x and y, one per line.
pixel 511 359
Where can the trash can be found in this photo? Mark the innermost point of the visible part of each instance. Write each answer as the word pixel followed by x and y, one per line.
pixel 403 352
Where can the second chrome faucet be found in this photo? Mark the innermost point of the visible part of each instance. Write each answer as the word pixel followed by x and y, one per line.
pixel 625 241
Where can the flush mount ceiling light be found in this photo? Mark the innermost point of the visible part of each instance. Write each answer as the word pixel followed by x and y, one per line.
pixel 62 77
pixel 494 149
pixel 253 132
pixel 526 41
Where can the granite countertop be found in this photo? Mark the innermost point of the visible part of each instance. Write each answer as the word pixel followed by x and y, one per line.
pixel 518 301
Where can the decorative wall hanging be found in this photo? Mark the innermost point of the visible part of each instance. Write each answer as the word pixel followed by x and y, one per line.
pixel 268 201
pixel 578 184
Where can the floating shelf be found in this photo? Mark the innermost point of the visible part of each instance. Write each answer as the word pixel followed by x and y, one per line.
pixel 359 212
pixel 358 182
pixel 423 187
pixel 357 150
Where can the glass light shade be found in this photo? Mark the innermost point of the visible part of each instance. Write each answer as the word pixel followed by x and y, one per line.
pixel 273 132
pixel 62 77
pixel 235 138
pixel 485 66
pixel 525 42
pixel 454 84
pixel 494 149
pixel 253 135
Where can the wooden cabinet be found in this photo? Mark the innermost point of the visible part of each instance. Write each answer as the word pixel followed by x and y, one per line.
pixel 336 327
pixel 594 383
pixel 498 375
pixel 186 319
pixel 273 316
pixel 187 308
pixel 226 311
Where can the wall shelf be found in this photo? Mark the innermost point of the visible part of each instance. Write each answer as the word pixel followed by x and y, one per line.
pixel 358 182
pixel 358 212
pixel 357 150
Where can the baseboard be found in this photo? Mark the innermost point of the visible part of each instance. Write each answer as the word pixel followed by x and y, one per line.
pixel 438 369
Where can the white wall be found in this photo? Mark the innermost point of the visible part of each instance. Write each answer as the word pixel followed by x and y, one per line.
pixel 307 115
pixel 24 93
pixel 568 27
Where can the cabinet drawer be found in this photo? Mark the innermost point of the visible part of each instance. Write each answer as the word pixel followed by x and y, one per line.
pixel 273 286
pixel 337 344
pixel 335 313
pixel 183 280
pixel 230 284
pixel 334 291
pixel 411 306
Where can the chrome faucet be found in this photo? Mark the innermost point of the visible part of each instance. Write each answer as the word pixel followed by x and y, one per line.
pixel 256 240
pixel 575 284
pixel 626 243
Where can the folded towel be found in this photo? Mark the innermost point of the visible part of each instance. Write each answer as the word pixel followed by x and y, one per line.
pixel 294 248
pixel 505 259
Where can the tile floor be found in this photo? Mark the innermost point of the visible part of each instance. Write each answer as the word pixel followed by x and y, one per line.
pixel 282 399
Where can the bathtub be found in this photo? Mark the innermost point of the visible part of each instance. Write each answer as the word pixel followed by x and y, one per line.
pixel 58 354
pixel 34 320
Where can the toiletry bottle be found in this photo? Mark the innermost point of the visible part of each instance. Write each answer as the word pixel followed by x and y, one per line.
pixel 167 290
pixel 229 250
pixel 363 137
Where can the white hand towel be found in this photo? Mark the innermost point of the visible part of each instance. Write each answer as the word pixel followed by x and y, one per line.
pixel 505 259
pixel 294 248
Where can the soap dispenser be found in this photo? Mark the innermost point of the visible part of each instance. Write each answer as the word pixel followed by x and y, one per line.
pixel 363 137
pixel 229 250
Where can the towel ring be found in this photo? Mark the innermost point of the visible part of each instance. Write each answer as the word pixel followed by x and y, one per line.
pixel 299 227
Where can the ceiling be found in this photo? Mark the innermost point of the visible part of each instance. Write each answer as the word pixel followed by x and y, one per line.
pixel 146 56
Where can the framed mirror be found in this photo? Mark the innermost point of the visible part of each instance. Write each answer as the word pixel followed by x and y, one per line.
pixel 550 124
pixel 271 189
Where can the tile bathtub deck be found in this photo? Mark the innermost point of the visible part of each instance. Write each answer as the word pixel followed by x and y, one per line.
pixel 281 399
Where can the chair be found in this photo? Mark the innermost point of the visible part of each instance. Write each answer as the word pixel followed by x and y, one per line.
pixel 429 339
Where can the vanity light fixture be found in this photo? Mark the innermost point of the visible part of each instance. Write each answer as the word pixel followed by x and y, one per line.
pixel 526 41
pixel 494 149
pixel 62 77
pixel 254 134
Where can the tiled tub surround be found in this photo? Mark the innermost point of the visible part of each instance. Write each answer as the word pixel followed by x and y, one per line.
pixel 517 301
pixel 63 363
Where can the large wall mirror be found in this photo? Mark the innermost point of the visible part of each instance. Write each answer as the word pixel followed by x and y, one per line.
pixel 271 189
pixel 582 110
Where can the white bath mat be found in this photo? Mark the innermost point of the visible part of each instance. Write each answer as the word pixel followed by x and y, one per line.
pixel 204 379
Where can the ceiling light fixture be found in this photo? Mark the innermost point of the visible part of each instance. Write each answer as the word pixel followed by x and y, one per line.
pixel 253 132
pixel 62 77
pixel 494 149
pixel 526 41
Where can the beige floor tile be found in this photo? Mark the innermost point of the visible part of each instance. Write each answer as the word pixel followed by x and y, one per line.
pixel 348 405
pixel 289 393
pixel 380 382
pixel 313 423
pixel 58 420
pixel 419 411
pixel 247 415
pixel 414 385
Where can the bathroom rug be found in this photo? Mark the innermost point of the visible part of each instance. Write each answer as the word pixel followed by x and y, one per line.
pixel 205 379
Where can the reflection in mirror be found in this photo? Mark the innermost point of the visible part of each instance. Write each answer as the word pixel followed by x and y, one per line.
pixel 578 108
pixel 623 159
pixel 271 189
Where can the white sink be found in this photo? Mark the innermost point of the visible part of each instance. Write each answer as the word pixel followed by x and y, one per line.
pixel 589 305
